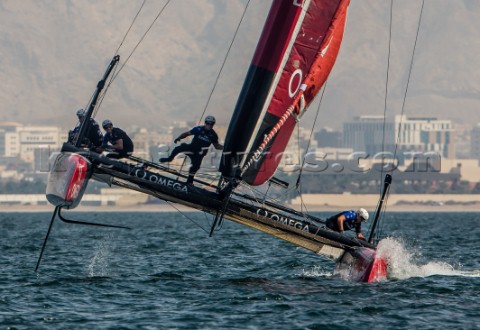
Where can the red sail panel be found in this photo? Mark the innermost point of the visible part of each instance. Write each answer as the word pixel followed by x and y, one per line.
pixel 250 108
pixel 277 33
pixel 315 49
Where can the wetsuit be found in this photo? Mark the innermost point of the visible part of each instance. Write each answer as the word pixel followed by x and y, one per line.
pixel 113 137
pixel 196 150
pixel 93 135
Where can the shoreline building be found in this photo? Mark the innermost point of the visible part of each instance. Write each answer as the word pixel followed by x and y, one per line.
pixel 412 135
pixel 425 135
pixel 475 142
pixel 29 142
pixel 369 134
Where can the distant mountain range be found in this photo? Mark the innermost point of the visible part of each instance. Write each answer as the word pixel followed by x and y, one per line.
pixel 52 54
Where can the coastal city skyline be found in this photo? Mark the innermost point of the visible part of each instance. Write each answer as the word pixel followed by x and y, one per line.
pixel 367 134
pixel 193 61
pixel 323 134
pixel 427 160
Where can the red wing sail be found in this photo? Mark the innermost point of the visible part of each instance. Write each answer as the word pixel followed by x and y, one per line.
pixel 298 47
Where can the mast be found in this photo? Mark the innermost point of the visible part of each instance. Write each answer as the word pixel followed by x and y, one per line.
pixel 91 107
pixel 386 186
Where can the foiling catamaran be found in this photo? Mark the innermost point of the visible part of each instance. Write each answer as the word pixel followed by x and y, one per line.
pixel 294 56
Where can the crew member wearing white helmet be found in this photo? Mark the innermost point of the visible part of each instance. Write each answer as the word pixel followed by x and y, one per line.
pixel 348 220
pixel 116 141
pixel 203 137
pixel 93 135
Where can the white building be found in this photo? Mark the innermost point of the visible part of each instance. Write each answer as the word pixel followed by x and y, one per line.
pixel 425 134
pixel 371 134
pixel 21 141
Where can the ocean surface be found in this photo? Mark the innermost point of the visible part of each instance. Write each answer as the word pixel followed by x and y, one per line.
pixel 166 273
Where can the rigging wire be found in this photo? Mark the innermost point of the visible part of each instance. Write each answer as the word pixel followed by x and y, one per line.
pixel 408 79
pixel 224 61
pixel 220 71
pixel 386 94
pixel 404 98
pixel 311 133
pixel 299 177
pixel 298 145
pixel 301 165
pixel 102 96
pixel 187 217
pixel 142 37
pixel 114 76
pixel 383 169
pixel 116 52
pixel 131 25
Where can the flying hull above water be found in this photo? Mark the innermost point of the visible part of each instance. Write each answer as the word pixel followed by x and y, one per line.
pixel 296 52
pixel 73 168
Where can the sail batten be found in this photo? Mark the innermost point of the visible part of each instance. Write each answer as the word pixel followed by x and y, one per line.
pixel 309 29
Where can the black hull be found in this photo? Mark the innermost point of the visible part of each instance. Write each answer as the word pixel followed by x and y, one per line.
pixel 298 228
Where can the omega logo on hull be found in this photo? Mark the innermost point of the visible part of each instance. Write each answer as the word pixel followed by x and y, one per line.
pixel 283 220
pixel 166 182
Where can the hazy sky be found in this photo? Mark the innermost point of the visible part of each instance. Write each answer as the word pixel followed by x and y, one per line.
pixel 53 53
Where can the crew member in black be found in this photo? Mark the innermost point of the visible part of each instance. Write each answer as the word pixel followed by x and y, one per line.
pixel 203 137
pixel 93 135
pixel 116 141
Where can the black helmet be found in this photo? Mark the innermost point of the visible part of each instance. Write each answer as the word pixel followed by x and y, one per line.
pixel 106 122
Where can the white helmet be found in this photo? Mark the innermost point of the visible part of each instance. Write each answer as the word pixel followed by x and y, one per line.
pixel 80 113
pixel 210 119
pixel 363 214
pixel 106 122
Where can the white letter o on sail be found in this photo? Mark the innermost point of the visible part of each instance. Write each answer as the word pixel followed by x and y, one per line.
pixel 295 73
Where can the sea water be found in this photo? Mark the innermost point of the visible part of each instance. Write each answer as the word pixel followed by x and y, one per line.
pixel 167 273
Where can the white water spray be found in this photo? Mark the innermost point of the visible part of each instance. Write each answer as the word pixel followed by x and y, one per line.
pixel 316 271
pixel 402 263
pixel 98 266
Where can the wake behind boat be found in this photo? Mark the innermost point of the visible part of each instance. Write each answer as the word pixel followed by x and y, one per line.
pixel 295 54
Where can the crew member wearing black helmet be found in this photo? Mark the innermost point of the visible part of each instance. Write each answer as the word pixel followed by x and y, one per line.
pixel 203 137
pixel 116 141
